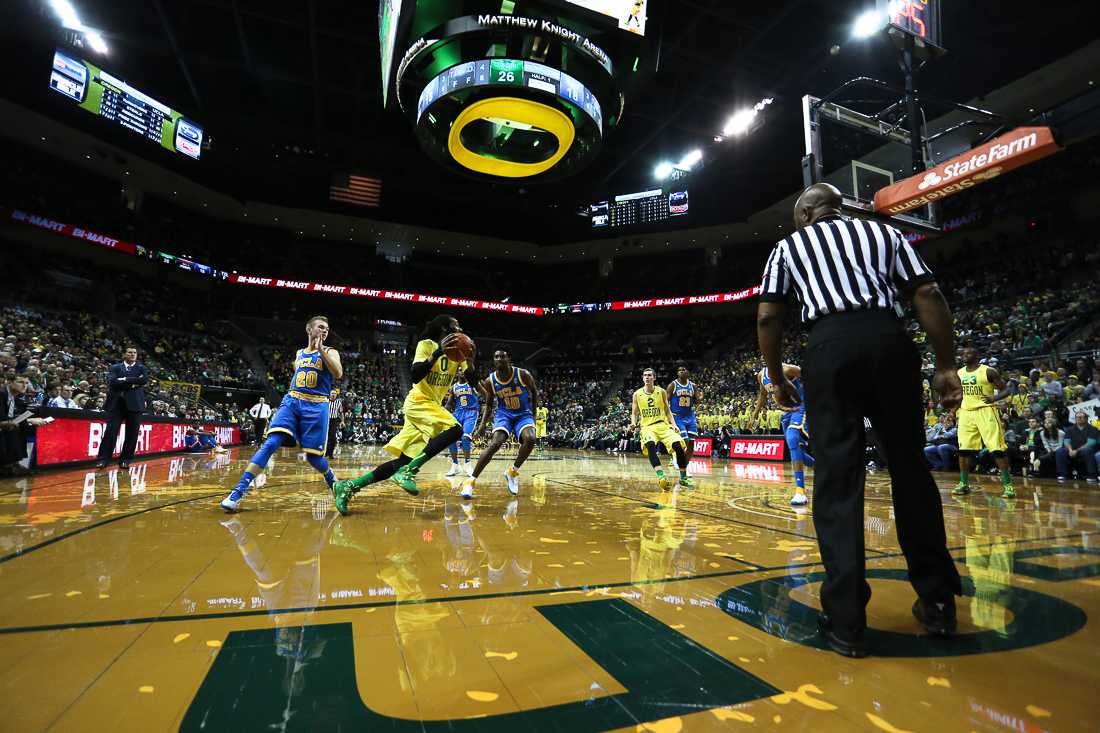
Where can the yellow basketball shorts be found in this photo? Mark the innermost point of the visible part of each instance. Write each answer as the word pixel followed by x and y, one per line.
pixel 981 426
pixel 660 432
pixel 423 421
pixel 540 428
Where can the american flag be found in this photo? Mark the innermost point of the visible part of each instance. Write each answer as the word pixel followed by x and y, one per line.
pixel 352 188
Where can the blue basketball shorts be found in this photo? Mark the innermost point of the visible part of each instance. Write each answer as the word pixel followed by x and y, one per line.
pixel 686 424
pixel 305 421
pixel 513 423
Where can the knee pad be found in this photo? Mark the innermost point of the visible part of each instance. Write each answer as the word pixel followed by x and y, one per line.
pixel 997 453
pixel 318 462
pixel 263 455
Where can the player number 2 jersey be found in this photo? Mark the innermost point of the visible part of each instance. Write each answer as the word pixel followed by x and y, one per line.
pixel 651 406
pixel 976 385
pixel 683 398
pixel 435 386
pixel 310 375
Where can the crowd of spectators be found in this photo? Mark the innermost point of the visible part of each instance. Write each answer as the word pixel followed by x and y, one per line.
pixel 1049 419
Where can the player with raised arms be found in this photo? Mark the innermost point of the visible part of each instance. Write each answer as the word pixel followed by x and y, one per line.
pixel 649 408
pixel 518 397
pixel 793 424
pixel 683 395
pixel 302 416
pixel 443 351
pixel 464 401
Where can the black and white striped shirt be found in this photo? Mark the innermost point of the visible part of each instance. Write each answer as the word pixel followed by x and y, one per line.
pixel 336 410
pixel 839 264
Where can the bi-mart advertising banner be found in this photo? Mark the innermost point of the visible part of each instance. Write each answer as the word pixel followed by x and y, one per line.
pixel 70 438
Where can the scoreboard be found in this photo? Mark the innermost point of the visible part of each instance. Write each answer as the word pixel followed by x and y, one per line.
pixel 511 73
pixel 918 18
pixel 100 93
pixel 643 207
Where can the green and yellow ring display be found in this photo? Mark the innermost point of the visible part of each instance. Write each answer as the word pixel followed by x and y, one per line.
pixel 518 110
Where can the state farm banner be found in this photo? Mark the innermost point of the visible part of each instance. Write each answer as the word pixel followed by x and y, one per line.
pixel 310 287
pixel 1009 151
pixel 761 449
pixel 626 305
pixel 69 439
pixel 75 232
pixel 702 447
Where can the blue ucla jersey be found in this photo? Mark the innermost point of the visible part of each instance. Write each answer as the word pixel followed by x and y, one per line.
pixel 766 381
pixel 683 398
pixel 310 375
pixel 465 397
pixel 512 397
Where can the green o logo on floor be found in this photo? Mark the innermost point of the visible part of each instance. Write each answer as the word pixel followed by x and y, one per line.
pixel 1038 618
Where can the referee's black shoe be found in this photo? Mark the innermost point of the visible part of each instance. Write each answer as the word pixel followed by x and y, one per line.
pixel 937 618
pixel 849 643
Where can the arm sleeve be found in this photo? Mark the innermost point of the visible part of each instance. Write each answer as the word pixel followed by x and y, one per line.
pixel 423 360
pixel 777 277
pixel 910 271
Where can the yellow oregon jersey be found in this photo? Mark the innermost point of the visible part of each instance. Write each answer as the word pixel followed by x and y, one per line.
pixel 434 387
pixel 541 414
pixel 652 406
pixel 976 385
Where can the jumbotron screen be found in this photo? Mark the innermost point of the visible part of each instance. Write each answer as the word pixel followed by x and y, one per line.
pixel 511 72
pixel 630 14
pixel 100 93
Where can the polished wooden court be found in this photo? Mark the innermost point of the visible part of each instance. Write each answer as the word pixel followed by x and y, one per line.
pixel 131 602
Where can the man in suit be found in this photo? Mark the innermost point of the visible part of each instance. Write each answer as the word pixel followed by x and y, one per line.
pixel 125 402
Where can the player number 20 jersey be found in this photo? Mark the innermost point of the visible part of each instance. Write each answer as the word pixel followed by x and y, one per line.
pixel 310 375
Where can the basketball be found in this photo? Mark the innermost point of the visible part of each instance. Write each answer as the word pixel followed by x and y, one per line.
pixel 462 348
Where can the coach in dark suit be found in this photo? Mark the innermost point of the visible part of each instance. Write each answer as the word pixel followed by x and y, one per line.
pixel 125 402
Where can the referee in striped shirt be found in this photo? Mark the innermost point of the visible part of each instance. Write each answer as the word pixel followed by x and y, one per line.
pixel 849 276
pixel 335 421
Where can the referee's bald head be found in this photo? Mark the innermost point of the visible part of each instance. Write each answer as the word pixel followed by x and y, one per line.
pixel 815 202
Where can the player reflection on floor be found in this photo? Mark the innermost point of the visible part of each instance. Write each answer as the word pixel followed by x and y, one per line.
pixel 289 581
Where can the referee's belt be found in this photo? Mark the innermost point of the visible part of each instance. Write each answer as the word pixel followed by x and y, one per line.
pixel 307 397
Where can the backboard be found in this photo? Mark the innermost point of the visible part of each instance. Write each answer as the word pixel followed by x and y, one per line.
pixel 860 153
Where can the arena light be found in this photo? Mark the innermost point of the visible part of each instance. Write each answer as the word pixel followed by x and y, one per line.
pixel 70 19
pixel 739 123
pixel 663 170
pixel 66 13
pixel 688 161
pixel 868 24
pixel 96 42
pixel 742 120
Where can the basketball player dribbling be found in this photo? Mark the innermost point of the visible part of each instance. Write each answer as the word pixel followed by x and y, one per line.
pixel 428 428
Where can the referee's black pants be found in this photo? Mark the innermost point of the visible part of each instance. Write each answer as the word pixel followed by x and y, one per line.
pixel 333 438
pixel 864 364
